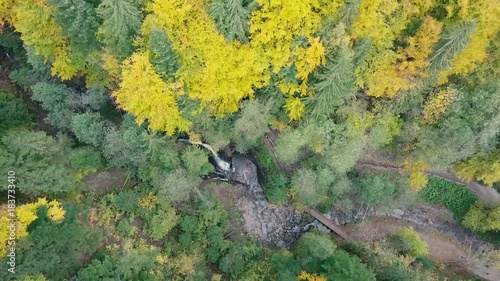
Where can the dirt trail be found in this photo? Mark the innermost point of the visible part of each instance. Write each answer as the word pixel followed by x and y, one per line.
pixel 487 194
pixel 442 248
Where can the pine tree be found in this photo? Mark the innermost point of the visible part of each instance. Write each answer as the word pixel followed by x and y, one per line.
pixel 334 83
pixel 89 127
pixel 121 20
pixel 231 18
pixel 40 161
pixel 454 40
pixel 163 56
pixel 60 101
pixel 79 23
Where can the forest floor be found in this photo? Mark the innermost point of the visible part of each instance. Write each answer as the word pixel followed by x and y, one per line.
pixel 456 254
pixel 443 249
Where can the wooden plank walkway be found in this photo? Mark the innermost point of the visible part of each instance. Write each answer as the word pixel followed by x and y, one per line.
pixel 339 230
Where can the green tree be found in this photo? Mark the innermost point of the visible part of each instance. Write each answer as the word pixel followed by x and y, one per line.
pixel 407 242
pixel 121 20
pixel 60 101
pixel 13 112
pixel 231 17
pixel 238 256
pixel 334 84
pixel 312 249
pixel 252 124
pixel 284 265
pixel 97 96
pixel 54 249
pixel 481 218
pixel 136 264
pixel 376 189
pixel 126 200
pixel 162 222
pixel 163 56
pixel 101 270
pixel 311 187
pixel 124 147
pixel 79 23
pixel 90 128
pixel 343 266
pixel 196 162
pixel 174 185
pixel 85 158
pixel 454 40
pixel 40 162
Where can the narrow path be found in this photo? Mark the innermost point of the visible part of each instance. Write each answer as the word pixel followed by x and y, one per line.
pixel 487 194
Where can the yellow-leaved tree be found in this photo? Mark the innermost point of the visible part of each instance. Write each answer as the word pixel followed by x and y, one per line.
pixel 145 95
pixel 305 276
pixel 418 178
pixel 24 215
pixel 437 104
pixel 486 15
pixel 217 73
pixel 383 21
pixel 274 30
pixel 419 48
pixel 35 21
pixel 481 167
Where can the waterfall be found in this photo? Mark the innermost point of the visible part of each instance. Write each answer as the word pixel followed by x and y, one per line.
pixel 222 165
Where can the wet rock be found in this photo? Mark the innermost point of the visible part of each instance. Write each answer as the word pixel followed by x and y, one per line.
pixel 274 225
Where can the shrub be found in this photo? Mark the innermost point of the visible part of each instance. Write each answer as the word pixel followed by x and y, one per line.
pixel 276 190
pixel 480 218
pixel 85 158
pixel 126 200
pixel 276 183
pixel 13 112
pixel 376 189
pixel 162 222
pixel 239 255
pixel 407 242
pixel 454 197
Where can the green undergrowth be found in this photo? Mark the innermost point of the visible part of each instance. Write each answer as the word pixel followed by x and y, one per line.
pixel 275 182
pixel 457 199
pixel 454 197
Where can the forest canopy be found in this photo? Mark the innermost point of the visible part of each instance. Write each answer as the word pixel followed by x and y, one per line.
pixel 341 104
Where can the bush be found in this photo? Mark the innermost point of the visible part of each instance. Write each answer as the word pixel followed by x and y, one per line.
pixel 126 200
pixel 480 218
pixel 376 189
pixel 13 112
pixel 276 183
pixel 276 190
pixel 407 242
pixel 239 255
pixel 85 159
pixel 454 197
pixel 162 222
